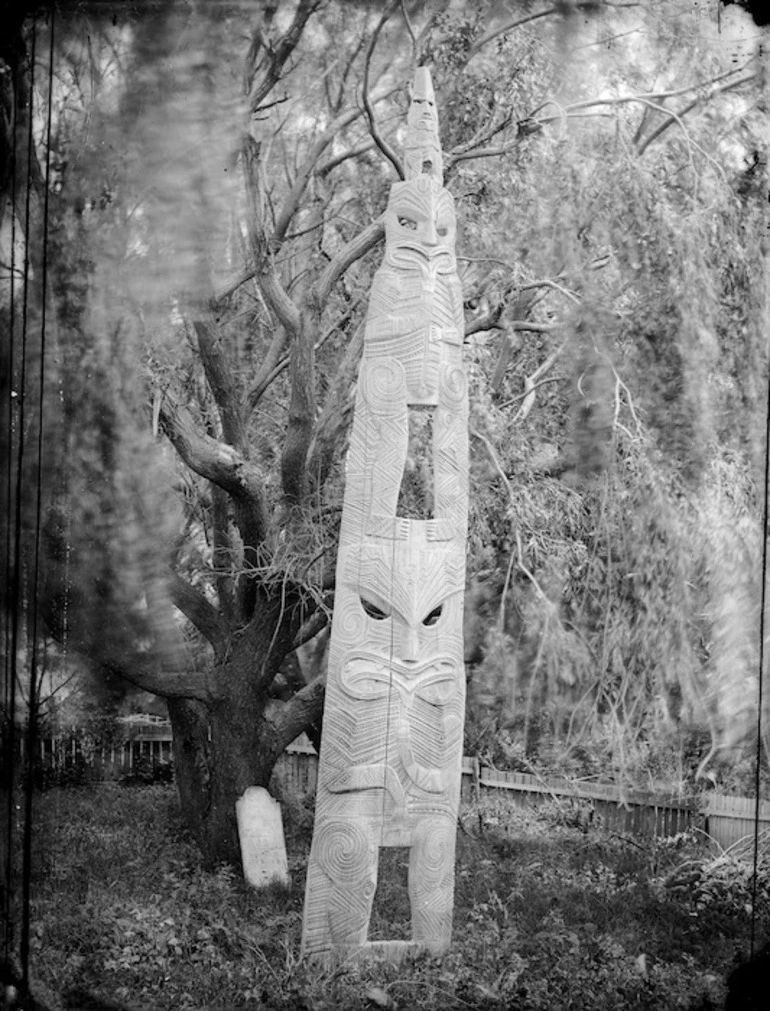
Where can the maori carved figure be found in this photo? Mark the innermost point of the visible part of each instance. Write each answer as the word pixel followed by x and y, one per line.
pixel 391 753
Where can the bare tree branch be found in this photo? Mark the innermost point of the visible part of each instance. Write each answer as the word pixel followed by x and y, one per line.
pixel 489 321
pixel 258 42
pixel 222 555
pixel 531 382
pixel 523 303
pixel 645 99
pixel 410 29
pixel 699 86
pixel 482 135
pixel 232 285
pixel 547 282
pixel 265 379
pixel 495 460
pixel 279 301
pixel 354 250
pixel 353 152
pixel 378 140
pixel 291 202
pixel 301 324
pixel 534 386
pixel 516 22
pixel 304 708
pixel 222 383
pixel 466 152
pixel 222 464
pixel 299 431
pixel 346 71
pixel 674 117
pixel 278 55
pixel 203 615
pixel 277 298
pixel 168 684
pixel 311 628
pixel 272 366
pixel 483 152
pixel 260 239
pixel 532 326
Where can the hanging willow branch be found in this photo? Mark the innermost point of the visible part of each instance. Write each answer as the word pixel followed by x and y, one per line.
pixel 378 139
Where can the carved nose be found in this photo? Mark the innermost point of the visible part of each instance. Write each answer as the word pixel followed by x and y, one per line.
pixel 409 644
pixel 429 235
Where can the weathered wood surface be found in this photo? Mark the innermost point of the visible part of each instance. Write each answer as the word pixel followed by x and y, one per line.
pixel 391 757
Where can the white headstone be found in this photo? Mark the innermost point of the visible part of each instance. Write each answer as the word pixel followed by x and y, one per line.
pixel 260 829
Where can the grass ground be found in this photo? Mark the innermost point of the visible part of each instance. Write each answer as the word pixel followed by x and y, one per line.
pixel 548 917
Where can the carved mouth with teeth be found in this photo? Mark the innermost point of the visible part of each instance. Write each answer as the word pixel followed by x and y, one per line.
pixel 368 675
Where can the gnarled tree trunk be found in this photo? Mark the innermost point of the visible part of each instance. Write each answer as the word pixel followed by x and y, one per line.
pixel 231 740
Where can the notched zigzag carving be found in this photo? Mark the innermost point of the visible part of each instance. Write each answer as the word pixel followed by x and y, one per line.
pixel 390 764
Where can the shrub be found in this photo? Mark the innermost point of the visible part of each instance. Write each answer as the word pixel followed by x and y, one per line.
pixel 147 770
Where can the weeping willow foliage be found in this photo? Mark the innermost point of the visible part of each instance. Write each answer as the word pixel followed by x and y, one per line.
pixel 618 518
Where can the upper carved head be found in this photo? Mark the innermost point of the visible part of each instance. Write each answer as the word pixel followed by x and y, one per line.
pixel 422 149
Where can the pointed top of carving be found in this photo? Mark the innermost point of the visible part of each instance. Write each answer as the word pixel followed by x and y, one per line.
pixel 422 86
pixel 422 150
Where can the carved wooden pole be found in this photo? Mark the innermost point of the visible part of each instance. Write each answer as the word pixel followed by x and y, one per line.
pixel 391 756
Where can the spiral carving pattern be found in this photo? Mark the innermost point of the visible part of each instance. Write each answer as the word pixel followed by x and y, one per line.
pixel 344 852
pixel 383 384
pixel 454 388
pixel 435 852
pixel 350 624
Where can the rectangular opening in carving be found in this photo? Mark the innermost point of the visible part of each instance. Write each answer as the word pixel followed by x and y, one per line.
pixel 391 918
pixel 416 495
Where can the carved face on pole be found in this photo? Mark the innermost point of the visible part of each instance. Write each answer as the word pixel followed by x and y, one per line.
pixel 398 650
pixel 420 226
pixel 408 596
pixel 390 763
pixel 422 152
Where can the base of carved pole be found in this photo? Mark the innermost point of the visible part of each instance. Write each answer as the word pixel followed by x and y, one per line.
pixel 260 830
pixel 342 880
pixel 389 951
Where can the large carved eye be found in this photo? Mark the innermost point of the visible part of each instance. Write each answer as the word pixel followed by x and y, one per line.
pixel 433 617
pixel 442 230
pixel 409 223
pixel 372 610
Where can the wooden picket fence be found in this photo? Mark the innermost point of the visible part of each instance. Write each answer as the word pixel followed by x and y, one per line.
pixel 728 820
pixel 63 758
pixel 116 759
